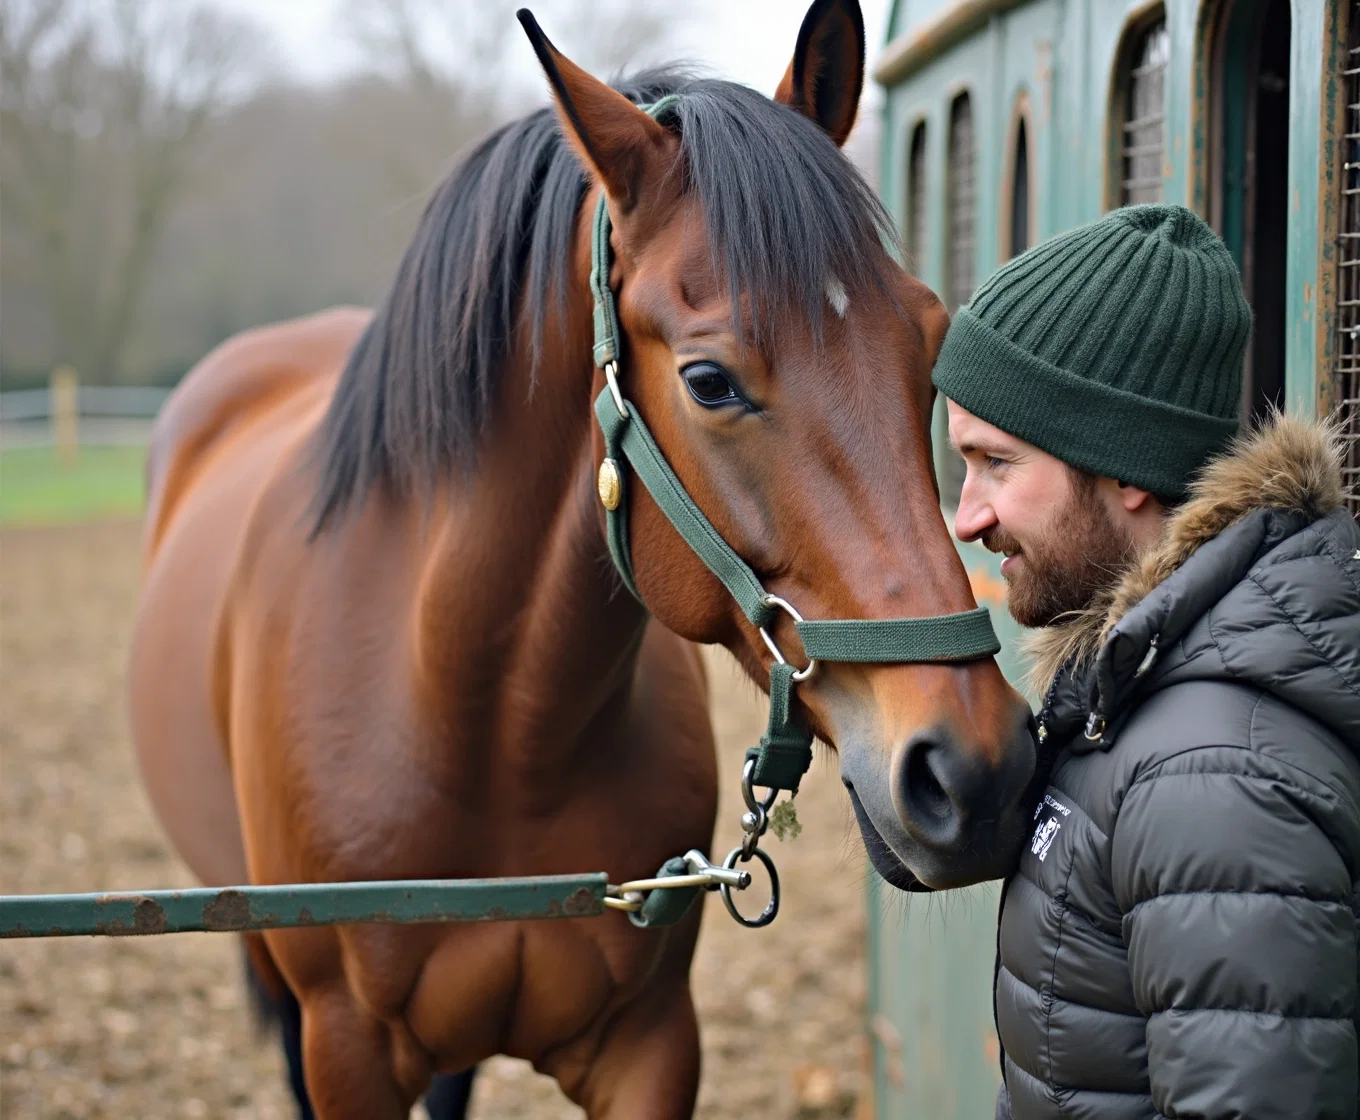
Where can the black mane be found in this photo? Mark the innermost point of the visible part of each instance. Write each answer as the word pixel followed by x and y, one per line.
pixel 786 213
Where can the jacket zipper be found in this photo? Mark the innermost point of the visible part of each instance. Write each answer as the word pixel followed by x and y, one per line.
pixel 1048 702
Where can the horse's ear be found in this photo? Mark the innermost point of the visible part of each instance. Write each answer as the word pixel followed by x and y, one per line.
pixel 934 321
pixel 934 326
pixel 826 76
pixel 613 137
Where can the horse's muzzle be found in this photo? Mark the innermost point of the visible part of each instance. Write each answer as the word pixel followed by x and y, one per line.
pixel 950 815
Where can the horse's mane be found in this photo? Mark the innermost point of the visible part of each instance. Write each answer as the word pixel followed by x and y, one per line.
pixel 787 215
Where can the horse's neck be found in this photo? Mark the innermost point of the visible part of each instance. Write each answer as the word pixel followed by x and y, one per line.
pixel 525 632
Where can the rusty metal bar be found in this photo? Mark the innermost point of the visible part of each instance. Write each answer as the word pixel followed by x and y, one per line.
pixel 237 909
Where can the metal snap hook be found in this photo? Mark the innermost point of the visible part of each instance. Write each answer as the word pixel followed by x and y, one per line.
pixel 700 865
pixel 792 611
pixel 758 808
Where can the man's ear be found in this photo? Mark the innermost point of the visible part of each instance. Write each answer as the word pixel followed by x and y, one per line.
pixel 615 139
pixel 1133 499
pixel 826 76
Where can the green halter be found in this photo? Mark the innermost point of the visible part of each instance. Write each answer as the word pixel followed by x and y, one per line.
pixel 785 750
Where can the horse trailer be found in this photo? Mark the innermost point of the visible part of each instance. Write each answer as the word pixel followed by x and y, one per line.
pixel 1007 121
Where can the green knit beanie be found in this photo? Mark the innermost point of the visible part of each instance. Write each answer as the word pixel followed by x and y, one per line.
pixel 1116 347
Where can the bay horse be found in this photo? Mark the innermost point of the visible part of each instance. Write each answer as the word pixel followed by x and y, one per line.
pixel 380 635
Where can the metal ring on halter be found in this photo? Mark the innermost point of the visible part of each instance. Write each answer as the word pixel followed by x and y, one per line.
pixel 792 611
pixel 611 377
pixel 771 908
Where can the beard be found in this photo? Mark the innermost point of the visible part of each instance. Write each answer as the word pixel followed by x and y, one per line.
pixel 1068 563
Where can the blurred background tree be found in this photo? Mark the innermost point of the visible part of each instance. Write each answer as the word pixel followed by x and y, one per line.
pixel 166 180
pixel 103 109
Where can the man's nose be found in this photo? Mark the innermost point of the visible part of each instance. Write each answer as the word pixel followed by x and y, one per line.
pixel 973 517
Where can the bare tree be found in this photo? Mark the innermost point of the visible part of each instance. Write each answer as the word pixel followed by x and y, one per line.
pixel 102 107
pixel 468 46
pixel 458 62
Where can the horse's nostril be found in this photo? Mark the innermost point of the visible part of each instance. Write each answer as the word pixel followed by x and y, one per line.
pixel 929 791
pixel 923 786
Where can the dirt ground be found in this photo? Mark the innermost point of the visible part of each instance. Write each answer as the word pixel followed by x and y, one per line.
pixel 158 1027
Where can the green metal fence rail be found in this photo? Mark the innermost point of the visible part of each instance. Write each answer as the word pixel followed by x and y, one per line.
pixel 237 909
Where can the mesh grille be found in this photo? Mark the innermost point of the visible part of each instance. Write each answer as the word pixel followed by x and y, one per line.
pixel 1143 117
pixel 1346 372
pixel 916 201
pixel 959 255
pixel 962 203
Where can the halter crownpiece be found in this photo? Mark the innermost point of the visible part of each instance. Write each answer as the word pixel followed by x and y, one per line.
pixel 785 750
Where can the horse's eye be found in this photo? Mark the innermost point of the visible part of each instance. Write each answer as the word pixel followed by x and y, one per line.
pixel 709 384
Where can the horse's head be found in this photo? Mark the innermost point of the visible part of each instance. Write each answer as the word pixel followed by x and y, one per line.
pixel 782 359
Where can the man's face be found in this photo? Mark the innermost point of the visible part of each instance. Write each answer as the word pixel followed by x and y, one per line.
pixel 1061 544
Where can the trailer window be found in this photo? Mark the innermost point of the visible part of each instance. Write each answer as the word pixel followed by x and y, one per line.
pixel 960 256
pixel 962 205
pixel 1019 231
pixel 1144 86
pixel 916 202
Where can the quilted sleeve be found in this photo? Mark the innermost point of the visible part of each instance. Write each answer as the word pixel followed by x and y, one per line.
pixel 1241 936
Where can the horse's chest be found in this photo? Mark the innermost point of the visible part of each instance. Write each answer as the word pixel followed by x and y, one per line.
pixel 526 989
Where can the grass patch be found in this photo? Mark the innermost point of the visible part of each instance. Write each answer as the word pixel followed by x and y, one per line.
pixel 36 488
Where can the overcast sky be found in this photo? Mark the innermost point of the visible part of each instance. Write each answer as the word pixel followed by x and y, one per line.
pixel 748 41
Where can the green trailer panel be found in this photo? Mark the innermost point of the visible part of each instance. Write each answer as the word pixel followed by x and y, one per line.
pixel 1058 64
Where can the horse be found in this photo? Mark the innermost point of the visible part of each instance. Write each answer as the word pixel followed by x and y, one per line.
pixel 380 635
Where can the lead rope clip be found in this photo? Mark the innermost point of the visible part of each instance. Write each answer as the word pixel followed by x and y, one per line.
pixel 754 822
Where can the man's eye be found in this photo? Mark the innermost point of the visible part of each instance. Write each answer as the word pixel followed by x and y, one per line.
pixel 995 464
pixel 709 384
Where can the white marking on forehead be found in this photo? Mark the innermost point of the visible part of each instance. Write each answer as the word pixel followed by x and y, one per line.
pixel 835 295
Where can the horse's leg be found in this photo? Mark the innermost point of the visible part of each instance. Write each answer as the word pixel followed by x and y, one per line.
pixel 648 1061
pixel 290 1031
pixel 347 1055
pixel 449 1095
pixel 275 1005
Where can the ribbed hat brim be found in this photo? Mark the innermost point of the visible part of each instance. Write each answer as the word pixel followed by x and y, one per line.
pixel 1160 448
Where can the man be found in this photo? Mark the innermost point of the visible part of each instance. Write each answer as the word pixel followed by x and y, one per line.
pixel 1180 935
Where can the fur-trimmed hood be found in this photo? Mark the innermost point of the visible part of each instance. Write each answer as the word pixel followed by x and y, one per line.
pixel 1273 501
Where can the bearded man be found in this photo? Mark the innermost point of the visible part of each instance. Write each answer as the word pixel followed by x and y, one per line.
pixel 1179 937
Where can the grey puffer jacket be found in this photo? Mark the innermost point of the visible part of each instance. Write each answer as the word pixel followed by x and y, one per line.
pixel 1180 936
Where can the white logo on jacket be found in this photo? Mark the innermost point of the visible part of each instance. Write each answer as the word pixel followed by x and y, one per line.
pixel 1047 828
pixel 1043 837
